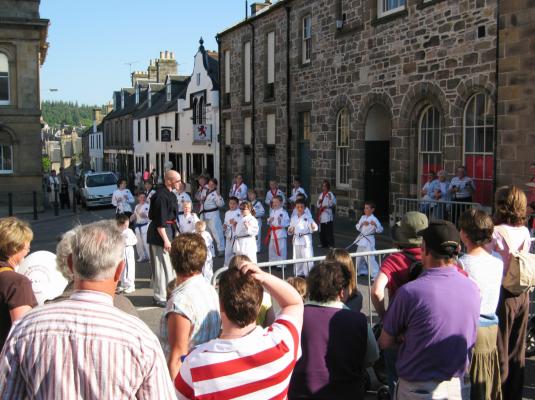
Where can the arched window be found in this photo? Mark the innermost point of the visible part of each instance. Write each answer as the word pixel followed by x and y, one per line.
pixel 430 142
pixel 6 153
pixel 201 111
pixel 479 145
pixel 194 114
pixel 4 79
pixel 342 148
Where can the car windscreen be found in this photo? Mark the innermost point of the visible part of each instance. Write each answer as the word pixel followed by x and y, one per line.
pixel 100 180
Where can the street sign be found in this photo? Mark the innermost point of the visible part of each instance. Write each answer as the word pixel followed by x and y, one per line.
pixel 166 133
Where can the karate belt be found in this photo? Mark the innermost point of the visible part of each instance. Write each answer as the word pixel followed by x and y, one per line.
pixel 273 229
pixel 174 227
pixel 207 211
pixel 139 226
pixel 240 237
pixel 320 211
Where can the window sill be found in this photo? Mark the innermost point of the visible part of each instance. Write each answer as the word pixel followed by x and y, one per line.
pixel 306 64
pixel 6 172
pixel 390 17
pixel 269 99
pixel 423 4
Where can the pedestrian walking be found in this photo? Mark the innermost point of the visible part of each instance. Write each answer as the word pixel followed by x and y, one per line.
pixel 162 229
pixel 64 198
pixel 53 187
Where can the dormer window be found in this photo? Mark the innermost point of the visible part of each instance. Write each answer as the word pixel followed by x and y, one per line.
pixel 149 97
pixel 137 94
pixel 122 100
pixel 168 92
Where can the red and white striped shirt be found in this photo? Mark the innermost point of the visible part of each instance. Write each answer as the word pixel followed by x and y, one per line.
pixel 83 348
pixel 256 366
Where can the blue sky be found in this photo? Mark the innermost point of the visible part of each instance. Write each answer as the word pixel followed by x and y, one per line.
pixel 90 41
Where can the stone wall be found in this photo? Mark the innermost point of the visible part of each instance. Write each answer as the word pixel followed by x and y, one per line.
pixel 516 91
pixel 439 54
pixel 20 124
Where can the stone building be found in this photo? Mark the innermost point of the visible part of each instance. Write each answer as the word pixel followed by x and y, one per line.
pixel 23 48
pixel 371 95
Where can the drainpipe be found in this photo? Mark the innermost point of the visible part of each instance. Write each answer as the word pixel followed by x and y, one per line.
pixel 219 143
pixel 288 110
pixel 495 169
pixel 253 108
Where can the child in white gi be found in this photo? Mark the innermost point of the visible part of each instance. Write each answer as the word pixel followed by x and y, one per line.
pixel 301 227
pixel 278 222
pixel 122 199
pixel 245 231
pixel 140 220
pixel 186 221
pixel 210 214
pixel 307 210
pixel 272 192
pixel 208 268
pixel 181 197
pixel 368 226
pixel 232 216
pixel 297 190
pixel 239 189
pixel 259 213
pixel 128 276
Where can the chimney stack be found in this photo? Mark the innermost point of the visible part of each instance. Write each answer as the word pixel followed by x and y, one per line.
pixel 161 55
pixel 257 7
pixel 172 55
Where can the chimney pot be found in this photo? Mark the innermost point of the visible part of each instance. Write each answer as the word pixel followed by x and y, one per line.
pixel 161 55
pixel 166 54
pixel 172 55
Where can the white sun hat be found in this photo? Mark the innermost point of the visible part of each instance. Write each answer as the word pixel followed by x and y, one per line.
pixel 47 281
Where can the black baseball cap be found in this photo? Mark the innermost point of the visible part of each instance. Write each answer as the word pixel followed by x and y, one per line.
pixel 442 237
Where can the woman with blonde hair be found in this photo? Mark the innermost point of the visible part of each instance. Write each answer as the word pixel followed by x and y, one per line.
pixel 510 234
pixel 16 294
pixel 354 300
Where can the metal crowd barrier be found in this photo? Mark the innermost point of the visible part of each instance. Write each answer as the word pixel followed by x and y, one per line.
pixel 380 254
pixel 448 210
pixel 271 266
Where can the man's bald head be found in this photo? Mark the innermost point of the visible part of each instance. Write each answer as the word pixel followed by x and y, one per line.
pixel 172 179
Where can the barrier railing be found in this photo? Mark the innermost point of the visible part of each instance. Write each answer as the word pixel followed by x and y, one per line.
pixel 381 254
pixel 21 203
pixel 434 209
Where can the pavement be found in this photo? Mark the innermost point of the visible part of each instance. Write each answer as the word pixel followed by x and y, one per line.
pixel 49 228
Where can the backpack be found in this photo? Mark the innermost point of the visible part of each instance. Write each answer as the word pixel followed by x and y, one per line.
pixel 520 276
pixel 416 268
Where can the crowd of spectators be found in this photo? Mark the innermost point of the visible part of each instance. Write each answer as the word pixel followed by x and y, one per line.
pixel 450 329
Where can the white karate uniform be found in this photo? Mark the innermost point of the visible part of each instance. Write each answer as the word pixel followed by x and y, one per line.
pixel 239 191
pixel 326 202
pixel 295 192
pixel 200 195
pixel 260 212
pixel 303 227
pixel 53 184
pixel 270 195
pixel 181 197
pixel 186 223
pixel 128 276
pixel 208 268
pixel 212 202
pixel 366 242
pixel 245 237
pixel 122 200
pixel 229 233
pixel 140 227
pixel 149 195
pixel 280 221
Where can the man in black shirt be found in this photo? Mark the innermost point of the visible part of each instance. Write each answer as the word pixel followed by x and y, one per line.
pixel 162 229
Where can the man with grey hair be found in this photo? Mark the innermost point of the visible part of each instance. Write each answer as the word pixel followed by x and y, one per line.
pixel 84 347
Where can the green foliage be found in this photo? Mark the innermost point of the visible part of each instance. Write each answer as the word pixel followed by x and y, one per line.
pixel 61 113
pixel 47 164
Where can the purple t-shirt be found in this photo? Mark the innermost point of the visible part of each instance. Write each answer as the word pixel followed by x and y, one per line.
pixel 438 315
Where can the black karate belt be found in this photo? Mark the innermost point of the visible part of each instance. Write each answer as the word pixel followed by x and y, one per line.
pixel 207 211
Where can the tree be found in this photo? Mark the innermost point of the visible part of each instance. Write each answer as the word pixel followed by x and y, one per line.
pixel 47 164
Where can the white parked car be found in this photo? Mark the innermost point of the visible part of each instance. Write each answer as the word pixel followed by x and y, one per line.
pixel 96 188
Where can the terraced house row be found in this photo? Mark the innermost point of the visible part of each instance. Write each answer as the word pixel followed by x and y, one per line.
pixel 373 94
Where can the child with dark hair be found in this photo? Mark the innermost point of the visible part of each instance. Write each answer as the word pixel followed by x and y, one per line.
pixel 245 231
pixel 259 213
pixel 276 237
pixel 486 270
pixel 368 226
pixel 301 228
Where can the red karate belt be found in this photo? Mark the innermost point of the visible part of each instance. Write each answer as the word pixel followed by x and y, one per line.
pixel 273 229
pixel 320 211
